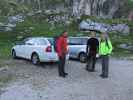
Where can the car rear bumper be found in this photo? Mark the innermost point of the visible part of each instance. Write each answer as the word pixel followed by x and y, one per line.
pixel 50 57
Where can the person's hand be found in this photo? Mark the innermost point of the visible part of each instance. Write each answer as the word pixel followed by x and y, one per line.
pixel 67 50
pixel 87 53
pixel 97 55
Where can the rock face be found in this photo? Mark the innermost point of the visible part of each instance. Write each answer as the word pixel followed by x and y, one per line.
pixel 101 27
pixel 11 23
pixel 130 16
pixel 102 8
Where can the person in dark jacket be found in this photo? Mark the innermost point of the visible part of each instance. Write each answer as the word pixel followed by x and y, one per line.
pixel 62 50
pixel 91 51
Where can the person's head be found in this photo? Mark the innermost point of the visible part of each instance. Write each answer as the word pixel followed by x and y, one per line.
pixel 64 34
pixel 104 36
pixel 93 34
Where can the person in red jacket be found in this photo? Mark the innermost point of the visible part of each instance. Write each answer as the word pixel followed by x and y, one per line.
pixel 62 50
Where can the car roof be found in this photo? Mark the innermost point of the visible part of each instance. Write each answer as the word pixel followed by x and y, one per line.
pixel 38 38
pixel 45 38
pixel 80 37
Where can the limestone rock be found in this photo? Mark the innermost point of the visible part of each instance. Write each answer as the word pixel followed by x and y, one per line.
pixel 91 25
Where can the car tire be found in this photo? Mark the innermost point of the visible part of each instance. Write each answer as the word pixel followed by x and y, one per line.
pixel 14 54
pixel 82 57
pixel 35 59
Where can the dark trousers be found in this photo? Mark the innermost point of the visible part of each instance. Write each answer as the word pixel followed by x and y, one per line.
pixel 105 65
pixel 91 61
pixel 61 65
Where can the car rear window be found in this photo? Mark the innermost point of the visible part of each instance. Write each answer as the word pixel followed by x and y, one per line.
pixel 78 41
pixel 51 40
pixel 41 42
pixel 84 41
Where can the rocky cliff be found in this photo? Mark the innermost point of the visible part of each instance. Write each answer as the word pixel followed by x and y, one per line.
pixel 101 8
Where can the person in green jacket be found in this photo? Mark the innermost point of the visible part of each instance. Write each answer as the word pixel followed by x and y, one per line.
pixel 105 49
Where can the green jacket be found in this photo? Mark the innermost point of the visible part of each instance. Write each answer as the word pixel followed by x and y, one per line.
pixel 105 48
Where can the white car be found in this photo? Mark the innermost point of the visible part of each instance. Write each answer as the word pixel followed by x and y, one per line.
pixel 36 49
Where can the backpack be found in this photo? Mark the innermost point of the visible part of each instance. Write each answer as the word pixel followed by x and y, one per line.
pixel 107 44
pixel 55 43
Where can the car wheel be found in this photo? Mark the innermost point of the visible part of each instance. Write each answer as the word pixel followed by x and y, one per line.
pixel 82 57
pixel 35 59
pixel 14 54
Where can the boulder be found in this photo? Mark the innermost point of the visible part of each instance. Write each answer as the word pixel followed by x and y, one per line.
pixel 11 23
pixel 8 29
pixel 15 19
pixel 19 37
pixel 101 27
pixel 126 46
pixel 90 25
pixel 2 28
pixel 121 28
pixel 1 24
pixel 31 28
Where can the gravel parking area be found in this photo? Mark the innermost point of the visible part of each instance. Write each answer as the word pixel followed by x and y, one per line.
pixel 42 82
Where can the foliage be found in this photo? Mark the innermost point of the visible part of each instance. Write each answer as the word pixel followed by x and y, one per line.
pixel 125 8
pixel 11 7
pixel 38 26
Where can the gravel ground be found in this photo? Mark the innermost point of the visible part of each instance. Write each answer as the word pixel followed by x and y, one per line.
pixel 42 82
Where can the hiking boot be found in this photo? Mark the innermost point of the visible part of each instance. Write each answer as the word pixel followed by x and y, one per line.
pixel 103 76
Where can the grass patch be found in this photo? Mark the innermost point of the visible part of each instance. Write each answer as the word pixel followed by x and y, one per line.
pixel 37 26
pixel 4 79
pixel 109 21
pixel 5 49
pixel 122 53
pixel 32 26
pixel 118 39
pixel 3 19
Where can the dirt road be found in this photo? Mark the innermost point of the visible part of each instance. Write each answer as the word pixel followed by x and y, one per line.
pixel 31 82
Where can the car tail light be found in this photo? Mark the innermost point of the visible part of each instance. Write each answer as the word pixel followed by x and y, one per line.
pixel 49 49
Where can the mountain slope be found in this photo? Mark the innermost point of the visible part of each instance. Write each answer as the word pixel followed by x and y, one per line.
pixel 100 8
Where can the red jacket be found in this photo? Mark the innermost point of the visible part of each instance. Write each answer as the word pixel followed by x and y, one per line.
pixel 62 47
